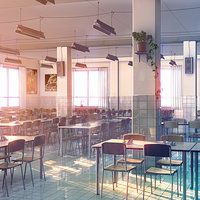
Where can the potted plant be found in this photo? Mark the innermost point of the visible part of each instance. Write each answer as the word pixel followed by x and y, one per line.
pixel 141 39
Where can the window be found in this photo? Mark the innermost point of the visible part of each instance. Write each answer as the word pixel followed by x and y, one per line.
pixel 9 87
pixel 171 87
pixel 90 87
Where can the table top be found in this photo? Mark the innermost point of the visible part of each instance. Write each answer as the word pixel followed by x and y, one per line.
pixel 139 145
pixel 196 148
pixel 81 126
pixel 12 138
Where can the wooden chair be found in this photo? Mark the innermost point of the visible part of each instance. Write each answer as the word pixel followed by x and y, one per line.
pixel 38 142
pixel 16 146
pixel 115 149
pixel 134 161
pixel 159 150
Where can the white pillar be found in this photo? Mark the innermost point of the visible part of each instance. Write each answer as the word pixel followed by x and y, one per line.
pixel 189 78
pixel 64 83
pixel 146 16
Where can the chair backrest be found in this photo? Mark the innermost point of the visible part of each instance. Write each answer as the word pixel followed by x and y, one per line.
pixel 134 136
pixel 157 150
pixel 172 138
pixel 55 120
pixel 171 124
pixel 194 124
pixel 113 148
pixel 16 145
pixel 39 141
pixel 62 121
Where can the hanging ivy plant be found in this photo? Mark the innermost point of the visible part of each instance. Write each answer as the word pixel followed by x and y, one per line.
pixel 152 46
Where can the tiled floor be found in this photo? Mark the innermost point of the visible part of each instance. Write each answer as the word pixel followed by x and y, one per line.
pixel 73 178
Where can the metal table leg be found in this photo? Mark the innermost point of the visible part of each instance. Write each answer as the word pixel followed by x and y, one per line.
pixel 192 171
pixel 184 175
pixel 97 170
pixel 60 132
pixel 196 175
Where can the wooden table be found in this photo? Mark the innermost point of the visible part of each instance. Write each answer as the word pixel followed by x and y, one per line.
pixel 4 144
pixel 183 147
pixel 89 127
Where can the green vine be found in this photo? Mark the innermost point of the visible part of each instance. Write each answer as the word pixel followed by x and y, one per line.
pixel 152 46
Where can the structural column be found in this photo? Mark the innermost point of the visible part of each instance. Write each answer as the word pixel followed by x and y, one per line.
pixel 189 78
pixel 64 83
pixel 146 78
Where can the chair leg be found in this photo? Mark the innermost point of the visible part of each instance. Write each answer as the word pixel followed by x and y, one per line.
pixel 144 185
pixel 113 180
pixel 25 170
pixel 31 173
pixel 12 173
pixel 151 184
pixel 102 183
pixel 172 187
pixel 127 186
pixel 22 176
pixel 136 179
pixel 5 182
pixel 43 170
pixel 177 185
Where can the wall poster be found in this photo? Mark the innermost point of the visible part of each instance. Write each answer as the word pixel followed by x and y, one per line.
pixel 31 81
pixel 50 82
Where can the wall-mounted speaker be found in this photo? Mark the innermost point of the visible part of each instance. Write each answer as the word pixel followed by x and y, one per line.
pixel 189 67
pixel 60 68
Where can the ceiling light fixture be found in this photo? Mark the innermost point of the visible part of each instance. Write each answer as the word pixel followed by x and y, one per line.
pixel 9 51
pixel 162 56
pixel 80 47
pixel 44 2
pixel 81 65
pixel 130 63
pixel 46 66
pixel 172 63
pixel 50 59
pixel 29 32
pixel 13 61
pixel 112 57
pixel 103 27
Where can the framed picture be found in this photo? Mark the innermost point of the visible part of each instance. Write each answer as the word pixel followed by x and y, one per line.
pixel 51 82
pixel 31 81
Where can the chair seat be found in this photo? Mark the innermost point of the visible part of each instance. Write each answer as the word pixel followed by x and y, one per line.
pixel 4 166
pixel 167 162
pixel 160 171
pixel 27 159
pixel 131 161
pixel 120 168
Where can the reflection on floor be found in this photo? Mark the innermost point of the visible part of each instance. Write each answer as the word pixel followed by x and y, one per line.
pixel 73 178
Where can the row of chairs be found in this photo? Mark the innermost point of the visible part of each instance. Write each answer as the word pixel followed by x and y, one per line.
pixel 16 156
pixel 173 127
pixel 127 164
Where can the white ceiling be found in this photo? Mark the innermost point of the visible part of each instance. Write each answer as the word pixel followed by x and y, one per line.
pixel 71 20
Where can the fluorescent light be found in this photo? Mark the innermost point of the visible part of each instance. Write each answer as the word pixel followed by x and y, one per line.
pixel 46 66
pixel 51 1
pixel 162 56
pixel 81 65
pixel 112 57
pixel 13 61
pixel 29 32
pixel 172 63
pixel 80 47
pixel 103 27
pixel 130 63
pixel 50 59
pixel 9 51
pixel 44 2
